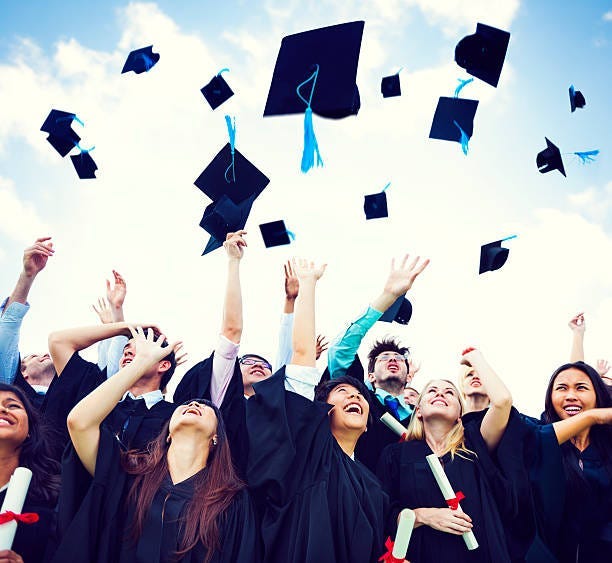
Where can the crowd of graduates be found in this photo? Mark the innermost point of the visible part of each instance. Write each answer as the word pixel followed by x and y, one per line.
pixel 251 461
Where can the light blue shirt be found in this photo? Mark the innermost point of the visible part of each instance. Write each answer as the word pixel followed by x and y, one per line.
pixel 343 349
pixel 403 410
pixel 285 342
pixel 10 325
pixel 110 352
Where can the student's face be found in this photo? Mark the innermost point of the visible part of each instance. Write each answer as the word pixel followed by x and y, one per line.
pixel 439 399
pixel 14 426
pixel 471 383
pixel 572 393
pixel 254 369
pixel 411 396
pixel 390 367
pixel 351 409
pixel 37 369
pixel 194 416
pixel 129 353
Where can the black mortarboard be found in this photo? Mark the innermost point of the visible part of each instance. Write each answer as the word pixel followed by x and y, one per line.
pixel 275 234
pixel 217 91
pixel 482 54
pixel 375 205
pixel 84 165
pixel 141 60
pixel 576 99
pixel 213 181
pixel 335 49
pixel 61 136
pixel 452 113
pixel 390 86
pixel 400 312
pixel 222 217
pixel 493 256
pixel 550 159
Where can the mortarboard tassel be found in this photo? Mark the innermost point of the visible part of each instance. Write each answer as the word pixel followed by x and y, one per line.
pixel 462 85
pixel 148 62
pixel 231 129
pixel 587 156
pixel 464 138
pixel 311 147
pixel 72 118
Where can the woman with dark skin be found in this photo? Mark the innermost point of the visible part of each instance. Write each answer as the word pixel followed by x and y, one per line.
pixel 178 501
pixel 24 442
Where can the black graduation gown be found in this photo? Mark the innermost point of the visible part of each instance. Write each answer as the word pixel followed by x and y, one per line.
pixel 407 478
pixel 196 383
pixel 99 531
pixel 32 541
pixel 320 505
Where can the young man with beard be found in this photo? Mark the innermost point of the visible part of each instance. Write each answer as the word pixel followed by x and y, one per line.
pixel 388 368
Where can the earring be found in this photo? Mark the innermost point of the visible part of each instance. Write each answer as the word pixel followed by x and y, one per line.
pixel 168 439
pixel 214 441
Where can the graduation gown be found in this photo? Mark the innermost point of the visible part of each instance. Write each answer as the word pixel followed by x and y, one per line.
pixel 319 504
pixel 32 541
pixel 99 531
pixel 489 499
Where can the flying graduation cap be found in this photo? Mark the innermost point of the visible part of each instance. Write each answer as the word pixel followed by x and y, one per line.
pixel 61 136
pixel 493 256
pixel 140 60
pixel 400 312
pixel 84 165
pixel 390 86
pixel 375 205
pixel 482 54
pixel 454 120
pixel 316 72
pixel 222 217
pixel 275 233
pixel 550 159
pixel 217 91
pixel 576 99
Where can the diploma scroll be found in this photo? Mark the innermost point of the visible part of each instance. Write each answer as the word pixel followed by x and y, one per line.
pixel 392 424
pixel 404 531
pixel 449 495
pixel 13 502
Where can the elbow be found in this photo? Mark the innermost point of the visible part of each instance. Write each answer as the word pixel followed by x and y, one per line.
pixel 53 341
pixel 233 333
pixel 75 422
pixel 502 402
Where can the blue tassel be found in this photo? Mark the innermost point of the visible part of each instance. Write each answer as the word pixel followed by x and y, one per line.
pixel 231 129
pixel 82 149
pixel 464 139
pixel 291 235
pixel 311 147
pixel 462 84
pixel 73 117
pixel 385 188
pixel 222 71
pixel 587 156
pixel 148 62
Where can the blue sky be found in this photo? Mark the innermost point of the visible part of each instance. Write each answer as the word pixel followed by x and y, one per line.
pixel 154 134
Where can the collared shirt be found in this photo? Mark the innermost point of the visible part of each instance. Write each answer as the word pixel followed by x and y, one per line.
pixel 10 325
pixel 403 410
pixel 151 398
pixel 344 348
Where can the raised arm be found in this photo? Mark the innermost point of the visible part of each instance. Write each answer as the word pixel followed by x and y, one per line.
pixel 574 425
pixel 85 418
pixel 116 296
pixel 344 348
pixel 577 326
pixel 232 308
pixel 285 333
pixel 496 418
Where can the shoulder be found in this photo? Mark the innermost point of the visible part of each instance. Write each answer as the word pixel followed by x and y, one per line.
pixel 77 364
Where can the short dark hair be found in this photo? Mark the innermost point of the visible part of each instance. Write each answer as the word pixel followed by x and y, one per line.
pixel 167 375
pixel 388 344
pixel 324 389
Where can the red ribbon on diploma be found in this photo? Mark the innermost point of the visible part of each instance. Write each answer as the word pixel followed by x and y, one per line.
pixel 25 518
pixel 453 503
pixel 388 557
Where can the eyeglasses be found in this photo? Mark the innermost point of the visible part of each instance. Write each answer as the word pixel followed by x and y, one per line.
pixel 255 362
pixel 388 356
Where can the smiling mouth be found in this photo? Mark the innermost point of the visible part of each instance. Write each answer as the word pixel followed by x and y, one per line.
pixel 192 410
pixel 353 408
pixel 439 402
pixel 5 422
pixel 572 409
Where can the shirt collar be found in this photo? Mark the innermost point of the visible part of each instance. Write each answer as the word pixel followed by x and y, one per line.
pixel 151 398
pixel 40 389
pixel 402 409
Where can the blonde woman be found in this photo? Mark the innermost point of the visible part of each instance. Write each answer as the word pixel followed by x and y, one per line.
pixel 465 452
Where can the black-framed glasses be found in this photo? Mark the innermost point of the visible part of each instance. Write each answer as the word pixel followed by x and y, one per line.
pixel 250 361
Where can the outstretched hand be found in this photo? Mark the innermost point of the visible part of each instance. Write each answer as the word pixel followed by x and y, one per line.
pixel 400 279
pixel 292 284
pixel 35 257
pixel 116 294
pixel 103 311
pixel 306 270
pixel 235 244
pixel 577 324
pixel 602 367
pixel 149 346
pixel 321 345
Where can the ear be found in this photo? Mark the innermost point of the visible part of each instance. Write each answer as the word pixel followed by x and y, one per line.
pixel 163 366
pixel 417 413
pixel 371 378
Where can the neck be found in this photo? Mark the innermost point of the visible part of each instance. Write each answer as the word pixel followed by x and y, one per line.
pixel 9 461
pixel 581 441
pixel 347 440
pixel 141 387
pixel 436 432
pixel 395 388
pixel 476 402
pixel 186 456
pixel 249 391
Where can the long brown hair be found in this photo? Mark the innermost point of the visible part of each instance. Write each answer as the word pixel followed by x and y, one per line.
pixel 214 488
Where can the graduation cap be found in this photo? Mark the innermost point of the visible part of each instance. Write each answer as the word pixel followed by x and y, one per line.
pixel 275 234
pixel 217 90
pixel 223 216
pixel 61 136
pixel 390 86
pixel 454 120
pixel 375 205
pixel 400 312
pixel 550 159
pixel 482 54
pixel 576 99
pixel 84 165
pixel 493 256
pixel 214 182
pixel 141 60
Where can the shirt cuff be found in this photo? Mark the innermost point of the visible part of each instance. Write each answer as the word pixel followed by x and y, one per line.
pixel 226 348
pixel 15 311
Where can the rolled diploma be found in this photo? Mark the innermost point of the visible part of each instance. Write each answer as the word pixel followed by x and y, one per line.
pixel 447 491
pixel 13 501
pixel 404 531
pixel 392 424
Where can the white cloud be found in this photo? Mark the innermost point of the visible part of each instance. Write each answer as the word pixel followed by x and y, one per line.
pixel 607 17
pixel 594 203
pixel 20 219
